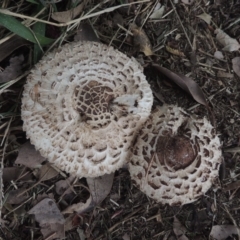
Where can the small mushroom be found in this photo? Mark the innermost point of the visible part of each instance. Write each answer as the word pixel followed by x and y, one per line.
pixel 82 105
pixel 176 156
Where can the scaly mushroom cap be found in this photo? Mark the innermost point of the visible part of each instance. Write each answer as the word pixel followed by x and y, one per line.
pixel 82 105
pixel 176 156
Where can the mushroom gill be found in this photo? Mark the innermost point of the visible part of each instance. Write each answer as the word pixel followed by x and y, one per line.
pixel 176 156
pixel 82 105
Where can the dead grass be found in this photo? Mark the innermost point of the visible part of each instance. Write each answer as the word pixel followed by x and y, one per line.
pixel 127 211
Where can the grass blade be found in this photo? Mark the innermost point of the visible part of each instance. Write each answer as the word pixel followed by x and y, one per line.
pixel 38 28
pixel 18 28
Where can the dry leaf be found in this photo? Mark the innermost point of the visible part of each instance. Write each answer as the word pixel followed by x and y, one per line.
pixel 141 41
pixel 126 237
pixel 236 65
pixel 158 13
pixel 69 223
pixel 49 218
pixel 193 58
pixel 11 45
pixel 80 207
pixel 218 55
pixel 42 196
pixel 47 172
pixel 13 70
pixel 178 36
pixel 188 2
pixel 230 44
pixel 53 231
pixel 29 157
pixel 222 74
pixel 63 186
pixel 81 234
pixel 231 186
pixel 15 196
pixel 175 51
pixel 185 83
pixel 179 230
pixel 100 187
pixel 14 173
pixel 222 232
pixel 67 16
pixel 205 17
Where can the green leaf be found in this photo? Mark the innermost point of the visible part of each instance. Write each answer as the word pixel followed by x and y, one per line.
pixel 18 28
pixel 33 1
pixel 38 28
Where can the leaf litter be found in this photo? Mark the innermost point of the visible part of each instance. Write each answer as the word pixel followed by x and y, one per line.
pixel 179 229
pixel 13 70
pixel 47 172
pixel 49 218
pixel 158 12
pixel 80 207
pixel 66 16
pixel 16 173
pixel 140 40
pixel 10 45
pixel 205 17
pixel 185 83
pixel 99 188
pixel 15 196
pixel 223 232
pixel 222 74
pixel 218 55
pixel 29 157
pixel 175 51
pixel 126 237
pixel 230 44
pixel 64 186
pixel 236 65
pixel 221 93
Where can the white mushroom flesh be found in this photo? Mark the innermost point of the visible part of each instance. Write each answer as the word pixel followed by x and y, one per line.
pixel 82 105
pixel 176 156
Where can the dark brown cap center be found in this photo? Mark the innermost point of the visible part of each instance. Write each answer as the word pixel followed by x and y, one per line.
pixel 93 98
pixel 176 152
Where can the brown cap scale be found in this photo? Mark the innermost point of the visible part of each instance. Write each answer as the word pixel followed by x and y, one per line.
pixel 176 156
pixel 82 105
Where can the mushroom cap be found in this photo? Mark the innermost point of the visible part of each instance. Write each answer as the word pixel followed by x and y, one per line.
pixel 82 105
pixel 176 156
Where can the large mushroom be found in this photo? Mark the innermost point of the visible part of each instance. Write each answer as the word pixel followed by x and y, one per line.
pixel 176 156
pixel 82 105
